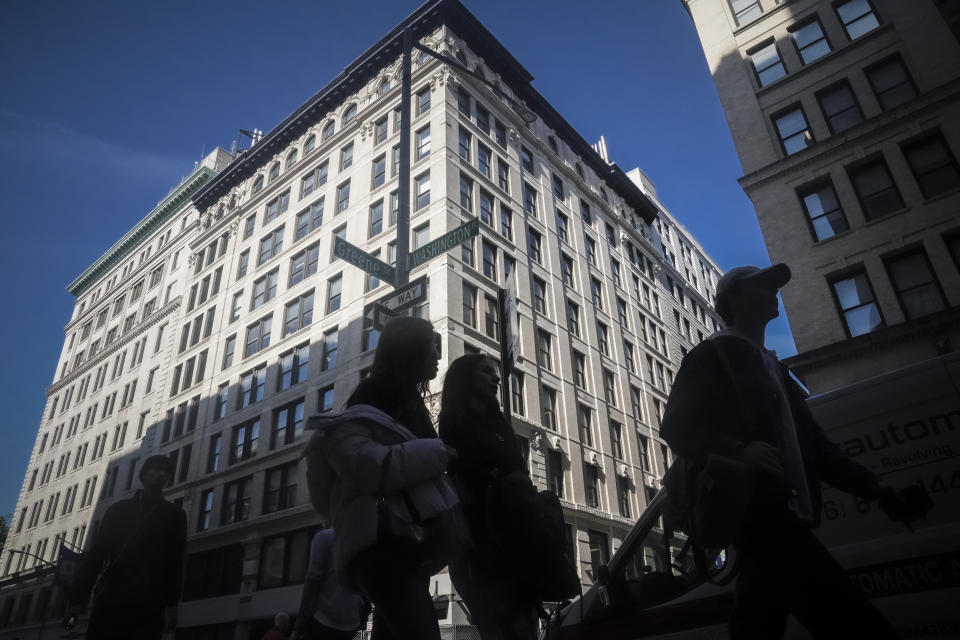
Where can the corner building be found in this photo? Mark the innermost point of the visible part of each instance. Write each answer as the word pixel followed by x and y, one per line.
pixel 846 118
pixel 263 327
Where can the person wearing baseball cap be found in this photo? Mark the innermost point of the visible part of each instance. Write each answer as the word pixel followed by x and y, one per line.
pixel 733 398
pixel 136 561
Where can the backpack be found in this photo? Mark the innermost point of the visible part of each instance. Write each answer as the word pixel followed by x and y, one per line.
pixel 320 475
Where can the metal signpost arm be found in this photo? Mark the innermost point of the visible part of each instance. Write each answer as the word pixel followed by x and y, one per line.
pixel 403 194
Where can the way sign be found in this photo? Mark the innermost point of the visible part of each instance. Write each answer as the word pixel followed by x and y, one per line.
pixel 444 243
pixel 406 296
pixel 360 258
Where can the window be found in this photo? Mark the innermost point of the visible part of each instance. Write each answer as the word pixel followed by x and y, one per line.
pixel 464 139
pixel 506 222
pixel 422 149
pixel 623 496
pixel 223 393
pixel 579 370
pixel 917 289
pixel 489 260
pixel 258 337
pixel 483 159
pixel 891 82
pixel 333 293
pixel 616 439
pixel 558 190
pixel 933 166
pixel 380 130
pixel 257 185
pixel 535 241
pixel 500 133
pixel 810 41
pixel 280 488
pixel 376 219
pixel 491 318
pixel 270 245
pixel 859 309
pixel 548 407
pixel 603 340
pixel 423 101
pixel 245 438
pixel 284 559
pixel 349 115
pixel 555 472
pixel 516 393
pixel 463 100
pixel 325 399
pixel 466 193
pixel 264 288
pixel 544 356
pixel 745 11
pixel 566 269
pixel 486 207
pixel 876 191
pixel 622 313
pixel 591 486
pixel 591 248
pixel 304 264
pixel 857 17
pixel 242 264
pixel 287 424
pixel 343 197
pixel 526 159
pixel 596 293
pixel 573 318
pixel 767 63
pixel 236 501
pixel 840 107
pixel 529 199
pixel 794 132
pixel 503 175
pixel 298 314
pixel 585 212
pixel 309 145
pixel 277 206
pixel 562 224
pixel 421 236
pixel 823 210
pixel 610 387
pixel 379 171
pixel 274 172
pixel 422 183
pixel 206 507
pixel 229 346
pixel 628 356
pixel 540 295
pixel 469 305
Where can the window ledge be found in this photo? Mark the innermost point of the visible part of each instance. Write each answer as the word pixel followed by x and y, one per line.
pixel 820 243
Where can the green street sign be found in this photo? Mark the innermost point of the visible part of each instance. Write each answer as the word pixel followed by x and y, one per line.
pixel 444 243
pixel 360 258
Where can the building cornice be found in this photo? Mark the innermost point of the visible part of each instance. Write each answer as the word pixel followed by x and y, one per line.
pixel 169 206
pixel 422 22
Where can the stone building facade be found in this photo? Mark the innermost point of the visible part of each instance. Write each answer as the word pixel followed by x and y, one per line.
pixel 846 118
pixel 244 324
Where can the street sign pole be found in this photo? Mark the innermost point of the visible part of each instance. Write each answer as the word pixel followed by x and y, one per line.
pixel 403 195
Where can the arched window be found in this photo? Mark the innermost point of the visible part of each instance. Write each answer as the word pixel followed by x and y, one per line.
pixel 309 144
pixel 553 144
pixel 328 130
pixel 291 158
pixel 579 168
pixel 423 58
pixel 349 115
pixel 233 203
pixel 219 212
pixel 274 171
pixel 384 87
pixel 258 184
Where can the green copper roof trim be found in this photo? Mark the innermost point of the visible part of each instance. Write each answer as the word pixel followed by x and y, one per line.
pixel 128 243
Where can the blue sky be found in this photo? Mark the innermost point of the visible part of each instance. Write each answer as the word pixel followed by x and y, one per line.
pixel 106 105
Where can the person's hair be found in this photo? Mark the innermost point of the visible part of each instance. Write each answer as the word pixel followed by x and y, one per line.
pixel 282 619
pixel 404 342
pixel 724 306
pixel 392 386
pixel 458 383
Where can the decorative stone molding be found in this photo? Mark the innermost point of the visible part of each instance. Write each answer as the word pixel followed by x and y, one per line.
pixel 536 442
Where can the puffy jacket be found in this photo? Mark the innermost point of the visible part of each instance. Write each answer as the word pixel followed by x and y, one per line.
pixel 355 444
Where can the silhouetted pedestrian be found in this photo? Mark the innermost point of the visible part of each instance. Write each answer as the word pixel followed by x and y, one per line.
pixel 390 501
pixel 732 397
pixel 137 554
pixel 502 605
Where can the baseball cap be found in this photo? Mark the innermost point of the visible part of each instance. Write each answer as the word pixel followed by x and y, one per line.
pixel 157 461
pixel 772 277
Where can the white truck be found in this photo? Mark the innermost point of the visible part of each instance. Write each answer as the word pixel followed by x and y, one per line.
pixel 905 426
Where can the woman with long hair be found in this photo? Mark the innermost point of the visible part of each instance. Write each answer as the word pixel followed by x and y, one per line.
pixel 388 496
pixel 502 605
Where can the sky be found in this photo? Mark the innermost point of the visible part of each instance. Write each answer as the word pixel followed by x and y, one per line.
pixel 106 105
